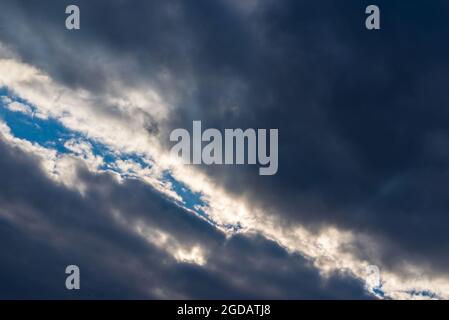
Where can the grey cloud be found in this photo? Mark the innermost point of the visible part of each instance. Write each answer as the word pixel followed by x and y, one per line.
pixel 46 227
pixel 356 111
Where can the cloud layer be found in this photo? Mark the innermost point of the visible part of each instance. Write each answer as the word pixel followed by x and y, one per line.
pixel 362 136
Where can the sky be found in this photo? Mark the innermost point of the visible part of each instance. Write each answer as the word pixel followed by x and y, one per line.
pixel 87 177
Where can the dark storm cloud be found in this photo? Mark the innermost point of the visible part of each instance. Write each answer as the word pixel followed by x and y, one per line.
pixel 45 227
pixel 357 114
pixel 361 115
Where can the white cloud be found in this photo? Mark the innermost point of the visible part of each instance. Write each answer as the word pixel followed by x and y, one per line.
pixel 20 107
